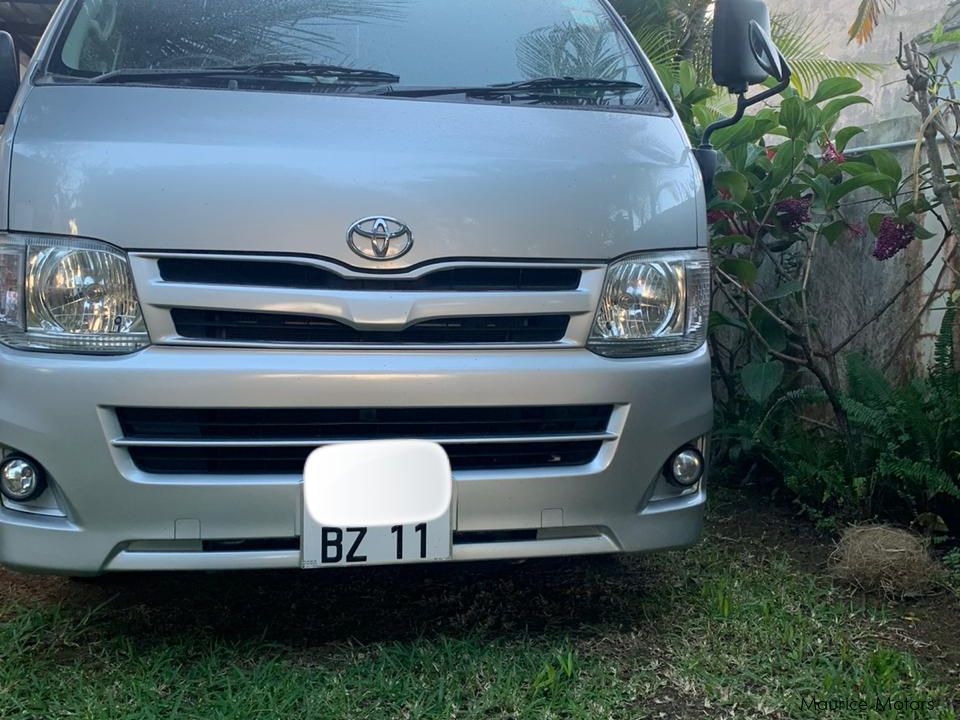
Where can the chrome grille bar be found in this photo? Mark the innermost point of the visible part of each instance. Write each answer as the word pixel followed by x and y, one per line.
pixel 369 308
pixel 306 442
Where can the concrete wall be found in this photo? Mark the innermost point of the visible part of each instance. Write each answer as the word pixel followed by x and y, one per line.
pixel 832 18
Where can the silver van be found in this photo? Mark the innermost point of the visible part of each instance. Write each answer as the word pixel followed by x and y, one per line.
pixel 234 231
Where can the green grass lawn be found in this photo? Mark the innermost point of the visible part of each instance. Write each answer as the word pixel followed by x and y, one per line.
pixel 745 625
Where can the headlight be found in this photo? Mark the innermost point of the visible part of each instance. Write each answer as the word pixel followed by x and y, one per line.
pixel 653 305
pixel 67 295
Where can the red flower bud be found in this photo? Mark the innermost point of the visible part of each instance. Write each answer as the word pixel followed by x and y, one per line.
pixel 831 154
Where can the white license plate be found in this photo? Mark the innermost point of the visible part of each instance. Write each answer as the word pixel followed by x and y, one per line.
pixel 379 545
pixel 376 503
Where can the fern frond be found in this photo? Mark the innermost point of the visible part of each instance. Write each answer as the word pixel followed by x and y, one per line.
pixel 943 356
pixel 931 480
pixel 870 419
pixel 801 396
pixel 867 384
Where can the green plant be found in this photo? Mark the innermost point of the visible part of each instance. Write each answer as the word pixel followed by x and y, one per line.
pixel 558 671
pixel 843 441
pixel 792 406
pixel 951 561
pixel 776 204
pixel 898 457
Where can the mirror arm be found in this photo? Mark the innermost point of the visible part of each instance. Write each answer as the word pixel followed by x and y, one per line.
pixel 706 154
pixel 742 104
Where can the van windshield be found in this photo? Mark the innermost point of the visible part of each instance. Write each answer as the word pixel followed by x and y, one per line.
pixel 352 46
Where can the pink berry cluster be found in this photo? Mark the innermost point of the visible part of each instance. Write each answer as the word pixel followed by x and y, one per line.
pixel 893 237
pixel 794 213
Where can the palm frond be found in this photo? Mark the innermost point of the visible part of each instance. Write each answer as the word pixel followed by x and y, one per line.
pixel 800 43
pixel 659 44
pixel 660 47
pixel 253 32
pixel 868 17
pixel 570 50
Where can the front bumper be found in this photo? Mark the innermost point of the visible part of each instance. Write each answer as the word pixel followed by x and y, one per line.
pixel 115 517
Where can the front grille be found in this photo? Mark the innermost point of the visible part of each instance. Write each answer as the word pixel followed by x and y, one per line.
pixel 274 301
pixel 277 441
pixel 279 328
pixel 340 424
pixel 290 461
pixel 258 273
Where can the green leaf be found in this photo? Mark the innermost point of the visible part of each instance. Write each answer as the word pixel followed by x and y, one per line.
pixel 698 95
pixel 832 110
pixel 854 168
pixel 687 77
pixel 835 230
pixel 924 234
pixel 743 270
pixel 792 115
pixel 738 156
pixel 765 125
pixel 726 241
pixel 734 183
pixel 727 206
pixel 760 380
pixel 846 135
pixel 769 329
pixel 881 183
pixel 788 157
pixel 887 163
pixel 739 134
pixel 719 320
pixel 821 185
pixel 835 87
pixel 784 291
pixel 874 221
pixel 798 188
pixel 909 208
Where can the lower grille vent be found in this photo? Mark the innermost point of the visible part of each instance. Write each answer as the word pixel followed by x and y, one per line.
pixel 231 326
pixel 255 441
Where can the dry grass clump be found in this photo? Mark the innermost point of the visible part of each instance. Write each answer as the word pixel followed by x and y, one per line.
pixel 882 559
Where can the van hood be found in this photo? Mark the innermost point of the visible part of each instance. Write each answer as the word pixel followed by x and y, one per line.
pixel 219 170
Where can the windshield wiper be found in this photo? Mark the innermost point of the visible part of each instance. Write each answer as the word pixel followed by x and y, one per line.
pixel 339 72
pixel 567 83
pixel 336 73
pixel 528 87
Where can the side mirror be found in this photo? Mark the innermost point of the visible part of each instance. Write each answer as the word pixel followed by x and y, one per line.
pixel 743 55
pixel 9 74
pixel 737 28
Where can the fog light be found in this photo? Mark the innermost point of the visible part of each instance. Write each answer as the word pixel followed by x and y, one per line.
pixel 21 479
pixel 686 468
